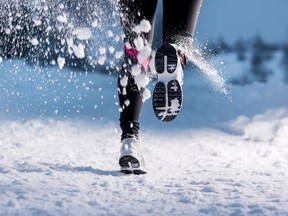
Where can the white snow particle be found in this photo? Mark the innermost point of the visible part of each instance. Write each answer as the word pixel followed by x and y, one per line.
pixel 110 33
pixel 62 18
pixel 34 41
pixel 70 42
pixel 37 22
pixel 7 31
pixel 118 54
pixel 144 27
pixel 144 54
pixel 139 43
pixel 124 81
pixel 61 6
pixel 49 28
pixel 102 50
pixel 83 33
pixel 79 51
pixel 127 102
pixel 101 60
pixel 95 23
pixel 117 38
pixel 111 50
pixel 142 80
pixel 146 95
pixel 136 70
pixel 61 62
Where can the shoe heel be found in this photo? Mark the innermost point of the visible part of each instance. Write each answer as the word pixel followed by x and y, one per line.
pixel 130 165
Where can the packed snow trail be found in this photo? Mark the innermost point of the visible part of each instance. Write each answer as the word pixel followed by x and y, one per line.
pixel 70 168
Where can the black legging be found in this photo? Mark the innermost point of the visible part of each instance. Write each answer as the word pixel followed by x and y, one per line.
pixel 179 21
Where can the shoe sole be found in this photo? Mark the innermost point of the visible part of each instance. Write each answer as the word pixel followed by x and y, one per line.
pixel 130 165
pixel 167 95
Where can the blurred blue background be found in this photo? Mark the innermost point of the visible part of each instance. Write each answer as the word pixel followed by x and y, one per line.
pixel 232 19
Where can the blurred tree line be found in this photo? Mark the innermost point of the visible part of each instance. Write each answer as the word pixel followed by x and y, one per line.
pixel 257 52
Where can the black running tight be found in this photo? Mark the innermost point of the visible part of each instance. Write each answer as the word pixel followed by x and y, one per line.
pixel 179 21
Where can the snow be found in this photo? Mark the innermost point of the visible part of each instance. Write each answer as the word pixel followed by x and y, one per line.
pixel 102 50
pixel 62 18
pixel 139 43
pixel 143 27
pixel 217 158
pixel 136 70
pixel 146 95
pixel 118 54
pixel 208 173
pixel 34 41
pixel 111 50
pixel 225 154
pixel 144 54
pixel 79 51
pixel 61 62
pixel 95 23
pixel 82 33
pixel 101 60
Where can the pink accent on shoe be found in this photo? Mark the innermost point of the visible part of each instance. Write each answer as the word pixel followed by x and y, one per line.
pixel 182 58
pixel 145 64
pixel 132 52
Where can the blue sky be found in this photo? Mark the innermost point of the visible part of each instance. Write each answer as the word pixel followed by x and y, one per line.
pixel 233 19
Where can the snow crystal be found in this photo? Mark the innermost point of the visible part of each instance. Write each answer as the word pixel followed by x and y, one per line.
pixel 111 50
pixel 95 23
pixel 143 27
pixel 37 22
pixel 102 50
pixel 110 33
pixel 7 31
pixel 70 44
pixel 79 51
pixel 82 33
pixel 146 95
pixel 1 59
pixel 49 28
pixel 61 6
pixel 117 38
pixel 118 54
pixel 101 60
pixel 139 43
pixel 34 41
pixel 62 18
pixel 127 102
pixel 61 62
pixel 142 80
pixel 144 54
pixel 136 70
pixel 124 81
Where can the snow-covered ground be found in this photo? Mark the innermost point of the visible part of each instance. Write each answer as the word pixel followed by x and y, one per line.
pixel 59 146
